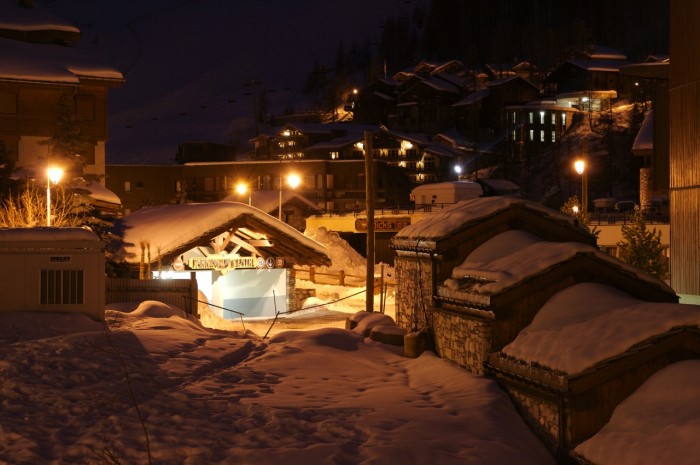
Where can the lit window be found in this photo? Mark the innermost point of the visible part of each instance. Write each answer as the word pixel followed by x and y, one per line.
pixel 513 137
pixel 532 134
pixel 62 287
pixel 554 136
pixel 541 117
pixel 127 186
pixel 542 136
pixel 563 120
pixel 530 117
pixel 334 155
pixel 554 118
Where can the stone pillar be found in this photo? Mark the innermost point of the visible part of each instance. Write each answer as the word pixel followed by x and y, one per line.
pixel 645 187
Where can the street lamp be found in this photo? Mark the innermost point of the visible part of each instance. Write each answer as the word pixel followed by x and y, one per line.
pixel 293 180
pixel 458 171
pixel 242 188
pixel 53 176
pixel 580 167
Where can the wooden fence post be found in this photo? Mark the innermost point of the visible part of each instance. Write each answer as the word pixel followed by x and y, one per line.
pixel 341 278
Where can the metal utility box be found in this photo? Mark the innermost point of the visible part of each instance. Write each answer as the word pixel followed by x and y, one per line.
pixel 58 270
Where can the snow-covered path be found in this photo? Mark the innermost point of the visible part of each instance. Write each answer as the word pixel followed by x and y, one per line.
pixel 73 392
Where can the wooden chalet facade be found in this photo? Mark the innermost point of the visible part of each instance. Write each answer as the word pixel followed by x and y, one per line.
pixel 44 77
pixel 474 278
pixel 684 189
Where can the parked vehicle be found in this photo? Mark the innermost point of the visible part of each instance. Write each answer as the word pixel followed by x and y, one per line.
pixel 445 192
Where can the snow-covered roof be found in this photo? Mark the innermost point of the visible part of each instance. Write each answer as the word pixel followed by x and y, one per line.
pixel 16 18
pixel 644 141
pixel 588 323
pixel 45 234
pixel 449 220
pixel 51 63
pixel 609 65
pixel 268 200
pixel 472 98
pixel 99 192
pixel 170 228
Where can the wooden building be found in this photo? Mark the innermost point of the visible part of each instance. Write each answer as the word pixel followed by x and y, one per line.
pixel 684 92
pixel 44 77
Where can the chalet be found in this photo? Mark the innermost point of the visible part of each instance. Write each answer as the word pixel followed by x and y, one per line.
pixel 479 116
pixel 515 291
pixel 241 256
pixel 47 77
pixel 534 126
pixel 424 104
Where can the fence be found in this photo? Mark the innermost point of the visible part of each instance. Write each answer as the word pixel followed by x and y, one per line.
pixel 342 279
pixel 181 293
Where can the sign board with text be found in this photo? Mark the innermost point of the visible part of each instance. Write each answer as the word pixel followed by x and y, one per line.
pixel 384 224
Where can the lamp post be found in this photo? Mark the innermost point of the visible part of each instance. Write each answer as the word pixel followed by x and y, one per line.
pixel 580 167
pixel 242 188
pixel 458 171
pixel 293 180
pixel 53 176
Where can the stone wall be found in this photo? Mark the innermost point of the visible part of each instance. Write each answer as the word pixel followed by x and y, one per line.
pixel 414 293
pixel 541 415
pixel 462 338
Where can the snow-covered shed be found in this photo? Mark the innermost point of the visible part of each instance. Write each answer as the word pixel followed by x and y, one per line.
pixel 58 270
pixel 241 256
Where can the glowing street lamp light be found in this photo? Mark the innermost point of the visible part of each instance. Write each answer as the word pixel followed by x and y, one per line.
pixel 242 188
pixel 580 167
pixel 293 180
pixel 53 176
pixel 458 171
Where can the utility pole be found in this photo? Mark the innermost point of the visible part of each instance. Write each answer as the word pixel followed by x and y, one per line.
pixel 369 187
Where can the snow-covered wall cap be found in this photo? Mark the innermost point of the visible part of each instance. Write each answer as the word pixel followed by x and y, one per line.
pixel 47 234
pixel 169 227
pixel 454 218
pixel 588 323
pixel 513 256
pixel 51 63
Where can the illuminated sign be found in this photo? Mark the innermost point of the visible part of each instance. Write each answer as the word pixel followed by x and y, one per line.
pixel 234 262
pixel 383 224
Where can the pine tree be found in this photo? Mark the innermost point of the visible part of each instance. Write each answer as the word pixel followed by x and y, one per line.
pixel 572 207
pixel 642 248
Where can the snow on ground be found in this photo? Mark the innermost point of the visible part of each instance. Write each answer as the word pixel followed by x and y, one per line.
pixel 151 382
